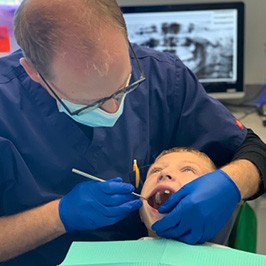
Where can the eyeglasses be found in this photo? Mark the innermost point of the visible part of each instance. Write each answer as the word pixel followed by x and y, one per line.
pixel 117 95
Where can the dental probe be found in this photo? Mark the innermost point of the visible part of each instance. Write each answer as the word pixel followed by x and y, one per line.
pixel 100 180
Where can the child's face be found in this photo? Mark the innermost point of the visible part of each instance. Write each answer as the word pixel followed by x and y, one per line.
pixel 166 176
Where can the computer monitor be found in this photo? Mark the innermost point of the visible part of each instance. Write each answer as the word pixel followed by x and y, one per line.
pixel 8 43
pixel 207 37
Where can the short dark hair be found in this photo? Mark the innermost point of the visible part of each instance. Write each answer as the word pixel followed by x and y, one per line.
pixel 42 27
pixel 186 149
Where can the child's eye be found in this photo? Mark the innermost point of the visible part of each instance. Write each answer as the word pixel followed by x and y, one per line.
pixel 155 170
pixel 188 169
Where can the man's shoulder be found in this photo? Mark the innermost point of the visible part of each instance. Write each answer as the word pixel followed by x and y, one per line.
pixel 10 67
pixel 13 78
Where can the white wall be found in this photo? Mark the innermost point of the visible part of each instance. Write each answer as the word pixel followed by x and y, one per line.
pixel 255 34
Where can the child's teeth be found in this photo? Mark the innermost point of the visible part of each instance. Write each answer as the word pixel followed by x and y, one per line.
pixel 158 198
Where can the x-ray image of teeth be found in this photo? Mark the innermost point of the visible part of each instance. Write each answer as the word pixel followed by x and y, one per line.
pixel 205 47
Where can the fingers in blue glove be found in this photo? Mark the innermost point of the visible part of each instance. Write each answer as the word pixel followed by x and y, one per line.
pixel 121 210
pixel 175 226
pixel 110 193
pixel 115 179
pixel 173 201
pixel 113 187
pixel 91 205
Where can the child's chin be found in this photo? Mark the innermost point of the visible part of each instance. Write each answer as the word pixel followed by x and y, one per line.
pixel 155 216
pixel 152 233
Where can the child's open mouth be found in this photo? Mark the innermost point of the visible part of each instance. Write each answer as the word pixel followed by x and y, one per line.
pixel 159 198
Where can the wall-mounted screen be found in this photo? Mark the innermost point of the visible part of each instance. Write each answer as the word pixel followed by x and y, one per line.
pixel 7 40
pixel 207 37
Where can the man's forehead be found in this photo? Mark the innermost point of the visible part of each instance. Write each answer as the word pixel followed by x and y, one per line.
pixel 94 58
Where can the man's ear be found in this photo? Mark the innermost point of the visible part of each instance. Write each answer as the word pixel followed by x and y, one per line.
pixel 31 71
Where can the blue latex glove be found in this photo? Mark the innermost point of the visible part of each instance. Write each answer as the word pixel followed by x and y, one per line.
pixel 91 205
pixel 200 209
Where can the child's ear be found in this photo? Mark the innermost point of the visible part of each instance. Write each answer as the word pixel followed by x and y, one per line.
pixel 31 71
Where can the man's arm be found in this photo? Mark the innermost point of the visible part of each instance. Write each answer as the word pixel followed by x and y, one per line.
pixel 27 230
pixel 248 168
pixel 88 206
pixel 246 176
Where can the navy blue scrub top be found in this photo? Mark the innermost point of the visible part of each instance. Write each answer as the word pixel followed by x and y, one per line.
pixel 39 145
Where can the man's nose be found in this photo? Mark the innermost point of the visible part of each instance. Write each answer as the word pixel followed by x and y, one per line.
pixel 111 106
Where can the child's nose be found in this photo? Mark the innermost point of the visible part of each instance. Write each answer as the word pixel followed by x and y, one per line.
pixel 164 176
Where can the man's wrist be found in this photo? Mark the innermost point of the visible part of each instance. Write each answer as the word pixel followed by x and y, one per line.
pixel 245 175
pixel 57 222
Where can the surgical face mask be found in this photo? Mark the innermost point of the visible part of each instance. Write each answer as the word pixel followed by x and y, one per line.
pixel 96 117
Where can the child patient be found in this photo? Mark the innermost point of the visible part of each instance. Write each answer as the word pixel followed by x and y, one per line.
pixel 171 170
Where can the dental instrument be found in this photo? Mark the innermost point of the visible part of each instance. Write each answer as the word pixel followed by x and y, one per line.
pixel 95 178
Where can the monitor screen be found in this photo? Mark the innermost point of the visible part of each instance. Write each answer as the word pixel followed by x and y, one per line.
pixel 207 37
pixel 8 43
